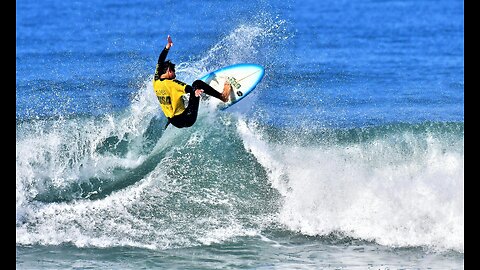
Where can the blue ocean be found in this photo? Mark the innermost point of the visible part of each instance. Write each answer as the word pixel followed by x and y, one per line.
pixel 349 154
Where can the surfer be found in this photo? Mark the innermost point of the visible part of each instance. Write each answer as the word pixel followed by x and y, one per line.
pixel 169 92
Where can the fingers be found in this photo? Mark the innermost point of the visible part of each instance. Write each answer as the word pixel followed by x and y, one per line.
pixel 169 41
pixel 198 92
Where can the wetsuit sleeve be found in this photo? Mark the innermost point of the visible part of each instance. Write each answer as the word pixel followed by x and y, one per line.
pixel 161 59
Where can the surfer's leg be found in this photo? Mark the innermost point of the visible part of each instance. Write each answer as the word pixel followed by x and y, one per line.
pixel 198 84
pixel 189 116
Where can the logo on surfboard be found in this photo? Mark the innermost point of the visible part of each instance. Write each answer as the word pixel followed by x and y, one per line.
pixel 234 82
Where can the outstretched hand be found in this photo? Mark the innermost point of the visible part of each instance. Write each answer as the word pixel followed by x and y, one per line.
pixel 169 42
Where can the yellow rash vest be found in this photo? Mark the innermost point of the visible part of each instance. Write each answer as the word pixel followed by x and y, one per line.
pixel 169 93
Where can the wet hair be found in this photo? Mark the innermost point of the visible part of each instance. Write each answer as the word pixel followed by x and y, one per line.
pixel 167 64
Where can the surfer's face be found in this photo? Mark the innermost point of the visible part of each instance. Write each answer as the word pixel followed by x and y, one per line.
pixel 171 72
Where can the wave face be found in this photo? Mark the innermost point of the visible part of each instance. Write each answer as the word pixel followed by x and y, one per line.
pixel 122 180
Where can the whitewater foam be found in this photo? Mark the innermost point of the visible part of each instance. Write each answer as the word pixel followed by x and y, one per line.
pixel 374 190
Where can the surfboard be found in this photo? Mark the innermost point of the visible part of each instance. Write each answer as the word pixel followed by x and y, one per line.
pixel 243 77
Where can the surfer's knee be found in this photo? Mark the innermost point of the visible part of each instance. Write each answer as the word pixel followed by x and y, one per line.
pixel 197 84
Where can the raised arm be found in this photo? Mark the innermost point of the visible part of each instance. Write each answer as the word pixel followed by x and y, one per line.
pixel 162 57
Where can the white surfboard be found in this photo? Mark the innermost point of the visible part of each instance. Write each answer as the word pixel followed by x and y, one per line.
pixel 243 78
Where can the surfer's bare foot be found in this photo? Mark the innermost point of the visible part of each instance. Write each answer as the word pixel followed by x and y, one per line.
pixel 227 88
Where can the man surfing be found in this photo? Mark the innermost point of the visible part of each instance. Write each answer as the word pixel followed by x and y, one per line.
pixel 169 92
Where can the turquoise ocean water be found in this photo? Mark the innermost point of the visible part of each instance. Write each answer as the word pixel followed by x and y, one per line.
pixel 348 155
